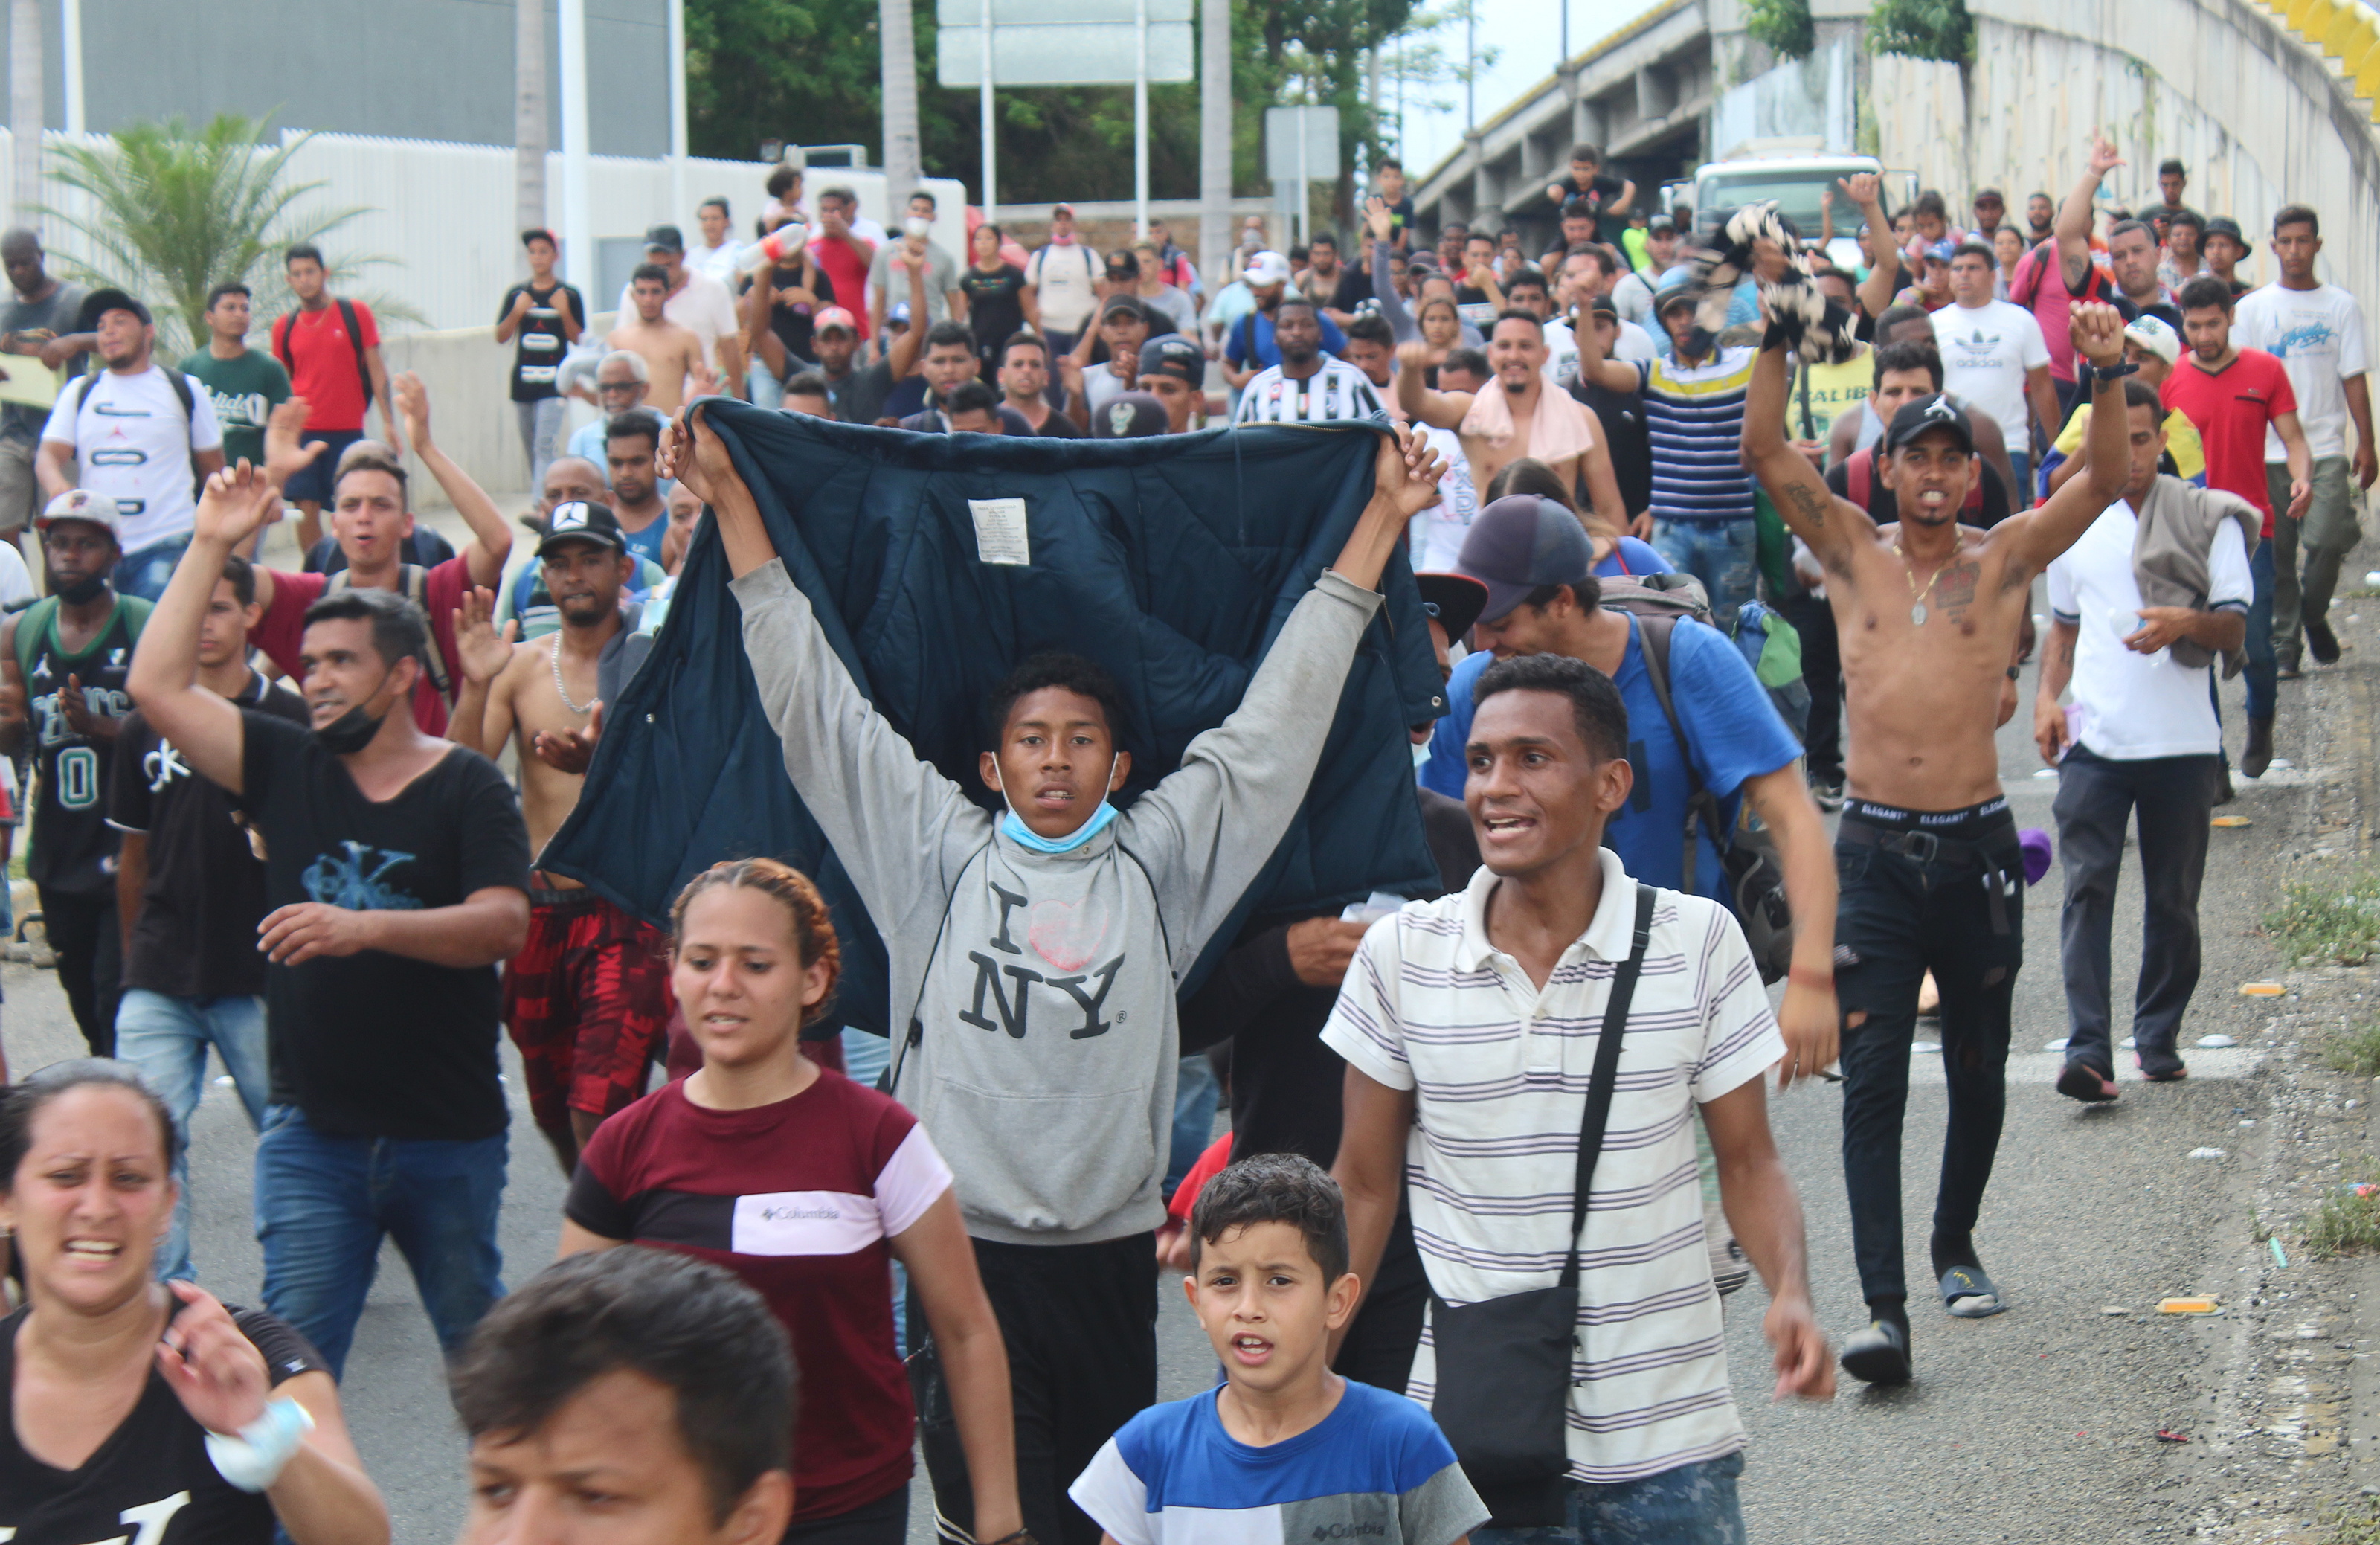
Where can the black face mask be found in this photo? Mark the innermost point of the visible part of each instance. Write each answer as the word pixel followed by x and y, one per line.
pixel 353 730
pixel 81 590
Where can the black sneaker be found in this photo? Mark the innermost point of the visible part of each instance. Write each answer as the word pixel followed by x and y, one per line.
pixel 1879 1355
pixel 2321 642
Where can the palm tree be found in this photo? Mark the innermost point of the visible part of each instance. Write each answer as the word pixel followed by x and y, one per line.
pixel 173 213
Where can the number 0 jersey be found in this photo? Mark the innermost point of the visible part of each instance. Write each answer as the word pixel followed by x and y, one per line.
pixel 74 848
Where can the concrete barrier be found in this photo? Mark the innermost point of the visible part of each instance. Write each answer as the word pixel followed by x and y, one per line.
pixel 468 376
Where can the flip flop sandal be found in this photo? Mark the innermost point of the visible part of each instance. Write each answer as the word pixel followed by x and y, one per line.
pixel 1969 1294
pixel 2173 1075
pixel 2081 1081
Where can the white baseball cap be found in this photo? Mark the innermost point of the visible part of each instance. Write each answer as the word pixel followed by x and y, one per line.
pixel 78 503
pixel 2156 335
pixel 1267 268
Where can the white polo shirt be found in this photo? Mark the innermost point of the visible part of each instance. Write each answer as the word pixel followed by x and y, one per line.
pixel 1501 1071
pixel 2136 706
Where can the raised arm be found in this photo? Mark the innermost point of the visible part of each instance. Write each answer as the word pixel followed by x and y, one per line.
pixel 482 719
pixel 2050 528
pixel 1597 368
pixel 1826 525
pixel 204 727
pixel 492 539
pixel 1425 404
pixel 377 370
pixel 1384 285
pixel 1876 290
pixel 2072 229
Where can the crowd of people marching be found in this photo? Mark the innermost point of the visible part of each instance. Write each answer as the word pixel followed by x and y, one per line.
pixel 1716 539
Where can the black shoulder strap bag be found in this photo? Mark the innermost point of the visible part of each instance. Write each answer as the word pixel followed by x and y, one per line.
pixel 1505 1364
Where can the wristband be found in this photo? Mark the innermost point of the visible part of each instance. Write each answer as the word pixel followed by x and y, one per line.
pixel 254 1457
pixel 2090 373
pixel 1803 975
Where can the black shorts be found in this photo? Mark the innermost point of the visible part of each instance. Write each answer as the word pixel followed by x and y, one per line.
pixel 315 482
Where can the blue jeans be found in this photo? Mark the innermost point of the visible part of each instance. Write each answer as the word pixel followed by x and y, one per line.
pixel 167 1038
pixel 2264 666
pixel 1196 1095
pixel 1721 554
pixel 1693 1505
pixel 323 1204
pixel 147 572
pixel 2022 494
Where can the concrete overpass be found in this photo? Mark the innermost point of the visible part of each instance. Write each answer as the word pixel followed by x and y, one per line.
pixel 2268 101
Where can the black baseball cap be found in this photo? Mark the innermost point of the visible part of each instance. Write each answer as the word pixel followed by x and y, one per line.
pixel 2223 225
pixel 1129 416
pixel 1452 600
pixel 1519 543
pixel 579 521
pixel 665 239
pixel 1176 355
pixel 1116 303
pixel 1928 413
pixel 99 302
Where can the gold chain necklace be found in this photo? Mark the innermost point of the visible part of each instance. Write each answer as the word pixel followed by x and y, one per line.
pixel 1917 612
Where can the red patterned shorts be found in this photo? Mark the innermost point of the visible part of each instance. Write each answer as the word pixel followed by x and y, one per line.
pixel 586 1000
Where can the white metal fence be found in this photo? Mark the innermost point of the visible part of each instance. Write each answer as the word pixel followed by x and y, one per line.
pixel 443 214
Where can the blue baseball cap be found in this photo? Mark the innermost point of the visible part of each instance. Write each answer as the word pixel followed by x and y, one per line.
pixel 1520 543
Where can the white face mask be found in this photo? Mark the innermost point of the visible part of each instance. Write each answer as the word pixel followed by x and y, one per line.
pixel 917 225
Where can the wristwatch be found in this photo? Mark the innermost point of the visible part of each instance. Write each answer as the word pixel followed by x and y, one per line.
pixel 2088 374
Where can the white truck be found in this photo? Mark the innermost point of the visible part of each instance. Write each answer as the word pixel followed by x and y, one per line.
pixel 1717 188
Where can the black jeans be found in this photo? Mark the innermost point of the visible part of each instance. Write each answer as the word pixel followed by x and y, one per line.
pixel 1898 918
pixel 885 1521
pixel 1379 1349
pixel 1080 1325
pixel 83 934
pixel 1822 672
pixel 2096 798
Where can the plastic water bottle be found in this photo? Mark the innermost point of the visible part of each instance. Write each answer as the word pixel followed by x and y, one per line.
pixel 772 249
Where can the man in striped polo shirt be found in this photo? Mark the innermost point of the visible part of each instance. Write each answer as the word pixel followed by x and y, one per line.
pixel 1694 415
pixel 1308 387
pixel 1479 1015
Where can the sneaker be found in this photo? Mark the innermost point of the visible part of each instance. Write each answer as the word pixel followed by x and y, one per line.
pixel 2321 642
pixel 1829 796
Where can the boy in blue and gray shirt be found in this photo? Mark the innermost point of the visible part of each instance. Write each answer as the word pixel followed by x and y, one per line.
pixel 1291 1450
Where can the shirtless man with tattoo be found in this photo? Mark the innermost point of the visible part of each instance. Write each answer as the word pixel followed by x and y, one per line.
pixel 1928 612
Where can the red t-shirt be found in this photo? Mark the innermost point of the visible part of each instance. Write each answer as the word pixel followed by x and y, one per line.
pixel 848 271
pixel 798 1198
pixel 323 372
pixel 283 629
pixel 2230 409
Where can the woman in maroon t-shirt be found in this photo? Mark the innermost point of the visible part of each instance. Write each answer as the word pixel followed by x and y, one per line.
pixel 808 1185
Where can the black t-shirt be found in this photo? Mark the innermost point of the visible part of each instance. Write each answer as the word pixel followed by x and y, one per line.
pixel 150 1481
pixel 859 397
pixel 376 1044
pixel 539 346
pixel 1598 193
pixel 1352 291
pixel 1057 426
pixel 196 934
pixel 1884 509
pixel 994 309
pixel 1401 219
pixel 1622 415
pixel 796 325
pixel 74 847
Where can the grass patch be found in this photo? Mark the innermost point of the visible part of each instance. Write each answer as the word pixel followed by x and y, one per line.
pixel 2355 1052
pixel 2328 925
pixel 2346 1223
pixel 2356 1522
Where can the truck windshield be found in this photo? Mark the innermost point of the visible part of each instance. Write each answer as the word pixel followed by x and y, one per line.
pixel 1796 193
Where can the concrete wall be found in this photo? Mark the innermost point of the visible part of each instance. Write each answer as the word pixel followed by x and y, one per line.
pixel 418 69
pixel 469 379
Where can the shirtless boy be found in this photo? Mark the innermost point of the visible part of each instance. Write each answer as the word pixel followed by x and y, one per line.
pixel 673 355
pixel 586 998
pixel 1549 425
pixel 1930 875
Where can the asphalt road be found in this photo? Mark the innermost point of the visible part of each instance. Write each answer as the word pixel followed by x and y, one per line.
pixel 2038 1425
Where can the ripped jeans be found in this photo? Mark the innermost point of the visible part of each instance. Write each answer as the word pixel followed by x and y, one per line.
pixel 1901 915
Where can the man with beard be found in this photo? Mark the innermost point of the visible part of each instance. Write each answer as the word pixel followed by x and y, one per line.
pixel 950 363
pixel 572 480
pixel 1929 869
pixel 1517 414
pixel 586 998
pixel 1305 388
pixel 65 664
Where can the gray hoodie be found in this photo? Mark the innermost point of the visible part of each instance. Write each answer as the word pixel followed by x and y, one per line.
pixel 1044 1029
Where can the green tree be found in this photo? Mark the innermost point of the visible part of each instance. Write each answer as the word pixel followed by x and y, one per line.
pixel 1940 30
pixel 173 214
pixel 1784 25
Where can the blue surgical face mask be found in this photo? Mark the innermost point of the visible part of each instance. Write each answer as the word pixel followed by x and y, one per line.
pixel 1012 825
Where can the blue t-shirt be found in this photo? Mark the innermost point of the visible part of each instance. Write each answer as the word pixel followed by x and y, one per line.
pixel 1235 339
pixel 1375 1470
pixel 1727 716
pixel 1640 557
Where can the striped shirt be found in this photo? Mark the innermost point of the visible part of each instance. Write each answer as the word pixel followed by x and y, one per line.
pixel 1332 395
pixel 1694 415
pixel 1500 1070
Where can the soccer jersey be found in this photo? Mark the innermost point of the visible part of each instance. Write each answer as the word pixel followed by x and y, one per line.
pixel 1332 395
pixel 1376 1469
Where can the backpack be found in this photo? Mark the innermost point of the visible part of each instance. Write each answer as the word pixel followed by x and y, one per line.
pixel 1755 873
pixel 37 618
pixel 1859 472
pixel 281 331
pixel 183 394
pixel 413 583
pixel 2032 265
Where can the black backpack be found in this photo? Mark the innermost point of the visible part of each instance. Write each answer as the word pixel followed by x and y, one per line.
pixel 183 394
